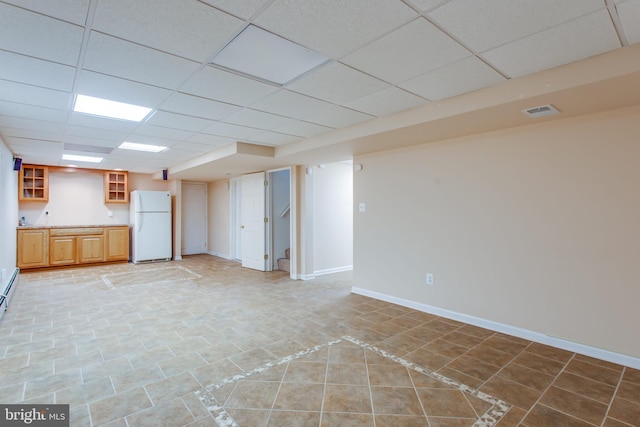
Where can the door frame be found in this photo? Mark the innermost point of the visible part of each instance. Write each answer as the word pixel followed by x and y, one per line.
pixel 206 213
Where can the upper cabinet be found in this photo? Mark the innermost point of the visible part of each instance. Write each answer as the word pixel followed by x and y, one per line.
pixel 33 184
pixel 115 187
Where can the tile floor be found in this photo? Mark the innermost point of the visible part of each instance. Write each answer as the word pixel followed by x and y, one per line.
pixel 204 342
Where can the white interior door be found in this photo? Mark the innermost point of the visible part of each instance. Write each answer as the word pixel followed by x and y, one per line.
pixel 194 218
pixel 253 226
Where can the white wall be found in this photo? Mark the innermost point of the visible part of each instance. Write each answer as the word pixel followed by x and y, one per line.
pixel 8 213
pixel 534 227
pixel 332 217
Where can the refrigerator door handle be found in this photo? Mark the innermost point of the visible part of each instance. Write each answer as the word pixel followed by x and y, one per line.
pixel 139 220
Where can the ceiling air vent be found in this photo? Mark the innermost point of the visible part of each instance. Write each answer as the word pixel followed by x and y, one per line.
pixel 541 111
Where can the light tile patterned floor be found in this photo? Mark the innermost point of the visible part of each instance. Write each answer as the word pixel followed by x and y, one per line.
pixel 143 351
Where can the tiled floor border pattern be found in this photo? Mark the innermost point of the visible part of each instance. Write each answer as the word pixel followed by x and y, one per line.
pixel 489 419
pixel 106 278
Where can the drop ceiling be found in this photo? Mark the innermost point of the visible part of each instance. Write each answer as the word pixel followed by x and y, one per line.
pixel 392 64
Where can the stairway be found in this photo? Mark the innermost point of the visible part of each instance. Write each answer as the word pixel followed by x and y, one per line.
pixel 283 263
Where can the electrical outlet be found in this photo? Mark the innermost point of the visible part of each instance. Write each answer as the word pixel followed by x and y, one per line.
pixel 429 279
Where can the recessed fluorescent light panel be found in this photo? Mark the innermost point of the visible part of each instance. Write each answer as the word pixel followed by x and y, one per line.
pixel 259 53
pixel 142 147
pixel 111 109
pixel 88 159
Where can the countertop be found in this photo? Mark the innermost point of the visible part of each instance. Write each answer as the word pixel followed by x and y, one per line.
pixel 36 227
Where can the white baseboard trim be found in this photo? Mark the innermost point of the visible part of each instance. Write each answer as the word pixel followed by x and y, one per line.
pixel 177 258
pixel 333 270
pixel 219 255
pixel 527 334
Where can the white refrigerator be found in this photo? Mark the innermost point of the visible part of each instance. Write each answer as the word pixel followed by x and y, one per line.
pixel 150 221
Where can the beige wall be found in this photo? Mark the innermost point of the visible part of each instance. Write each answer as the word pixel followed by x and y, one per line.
pixel 534 227
pixel 77 198
pixel 219 220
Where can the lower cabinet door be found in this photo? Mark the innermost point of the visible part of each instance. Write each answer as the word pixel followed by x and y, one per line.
pixel 90 249
pixel 62 250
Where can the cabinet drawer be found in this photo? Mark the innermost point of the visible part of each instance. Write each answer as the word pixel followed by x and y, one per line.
pixel 82 231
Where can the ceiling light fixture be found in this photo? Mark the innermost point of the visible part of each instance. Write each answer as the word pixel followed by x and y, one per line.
pixel 76 158
pixel 142 147
pixel 111 109
pixel 266 56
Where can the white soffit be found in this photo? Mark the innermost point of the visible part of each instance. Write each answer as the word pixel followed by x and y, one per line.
pixel 583 37
pixel 419 46
pixel 259 53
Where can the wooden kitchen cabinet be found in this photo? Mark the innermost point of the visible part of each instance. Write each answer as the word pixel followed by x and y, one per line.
pixel 33 246
pixel 115 187
pixel 116 243
pixel 90 249
pixel 62 250
pixel 33 184
pixel 67 246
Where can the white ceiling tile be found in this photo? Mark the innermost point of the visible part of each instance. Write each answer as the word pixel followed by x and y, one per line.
pixel 231 131
pixel 147 131
pixel 28 146
pixel 257 119
pixel 425 5
pixel 179 121
pixel 419 46
pixel 581 38
pixel 290 104
pixel 455 79
pixel 85 129
pixel 211 140
pixel 36 125
pixel 227 87
pixel 334 28
pixel 190 29
pixel 485 24
pixel 199 107
pixel 33 133
pixel 335 116
pixel 387 101
pixel 303 129
pixel 245 9
pixel 33 112
pixel 74 11
pixel 90 122
pixel 24 69
pixel 629 12
pixel 31 95
pixel 337 83
pixel 54 40
pixel 109 55
pixel 116 89
pixel 192 146
pixel 273 138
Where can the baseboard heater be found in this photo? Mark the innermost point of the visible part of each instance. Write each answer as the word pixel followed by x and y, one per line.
pixel 6 293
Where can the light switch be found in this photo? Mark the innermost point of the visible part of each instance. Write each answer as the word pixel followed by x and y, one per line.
pixel 362 207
